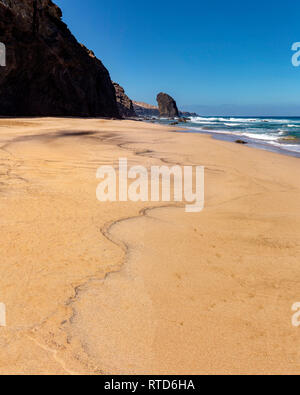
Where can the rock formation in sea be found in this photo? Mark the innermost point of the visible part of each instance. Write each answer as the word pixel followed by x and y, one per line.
pixel 125 105
pixel 167 106
pixel 48 73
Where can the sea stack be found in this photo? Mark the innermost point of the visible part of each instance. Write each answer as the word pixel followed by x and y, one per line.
pixel 125 104
pixel 48 73
pixel 167 106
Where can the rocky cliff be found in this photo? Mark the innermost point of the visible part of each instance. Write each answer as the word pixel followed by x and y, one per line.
pixel 125 105
pixel 48 72
pixel 145 110
pixel 167 106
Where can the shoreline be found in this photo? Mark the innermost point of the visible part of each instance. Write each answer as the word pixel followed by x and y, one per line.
pixel 132 288
pixel 250 143
pixel 271 143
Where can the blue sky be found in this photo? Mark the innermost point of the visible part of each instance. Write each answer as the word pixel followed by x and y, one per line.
pixel 217 57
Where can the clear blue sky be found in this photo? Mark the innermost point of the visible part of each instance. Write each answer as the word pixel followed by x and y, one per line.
pixel 218 57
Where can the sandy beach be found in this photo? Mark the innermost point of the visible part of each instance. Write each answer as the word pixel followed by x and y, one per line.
pixel 136 288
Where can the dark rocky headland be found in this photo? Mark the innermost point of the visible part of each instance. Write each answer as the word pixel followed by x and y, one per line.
pixel 48 72
pixel 125 104
pixel 145 110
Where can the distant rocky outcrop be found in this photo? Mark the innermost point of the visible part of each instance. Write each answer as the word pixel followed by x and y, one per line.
pixel 125 105
pixel 167 106
pixel 188 114
pixel 48 72
pixel 145 110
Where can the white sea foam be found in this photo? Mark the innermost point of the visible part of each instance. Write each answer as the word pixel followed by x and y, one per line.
pixel 296 123
pixel 287 147
pixel 244 120
pixel 222 119
pixel 255 136
pixel 203 119
pixel 265 137
pixel 251 129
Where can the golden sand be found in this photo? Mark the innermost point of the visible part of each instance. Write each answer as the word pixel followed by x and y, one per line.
pixel 96 288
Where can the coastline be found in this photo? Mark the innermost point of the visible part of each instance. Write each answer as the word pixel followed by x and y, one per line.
pixel 250 143
pixel 274 134
pixel 147 289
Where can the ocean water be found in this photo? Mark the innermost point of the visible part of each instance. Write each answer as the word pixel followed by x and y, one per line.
pixel 270 133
